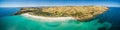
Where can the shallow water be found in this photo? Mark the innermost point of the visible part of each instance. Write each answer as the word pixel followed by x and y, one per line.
pixel 20 22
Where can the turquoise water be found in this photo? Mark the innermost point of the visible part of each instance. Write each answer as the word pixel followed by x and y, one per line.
pixel 20 22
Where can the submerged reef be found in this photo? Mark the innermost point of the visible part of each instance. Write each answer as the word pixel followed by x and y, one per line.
pixel 81 13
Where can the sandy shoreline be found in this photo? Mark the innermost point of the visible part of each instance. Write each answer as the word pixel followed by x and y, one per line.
pixel 47 18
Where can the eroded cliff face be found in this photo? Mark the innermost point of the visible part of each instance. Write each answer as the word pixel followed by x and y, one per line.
pixel 82 13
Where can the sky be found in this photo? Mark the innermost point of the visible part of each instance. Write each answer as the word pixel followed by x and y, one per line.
pixel 38 3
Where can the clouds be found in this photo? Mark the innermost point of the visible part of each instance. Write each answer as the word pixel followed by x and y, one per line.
pixel 27 3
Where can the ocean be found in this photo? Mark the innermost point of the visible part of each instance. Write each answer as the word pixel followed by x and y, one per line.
pixel 108 20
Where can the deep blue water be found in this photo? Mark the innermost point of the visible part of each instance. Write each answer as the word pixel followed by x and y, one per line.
pixel 111 16
pixel 7 11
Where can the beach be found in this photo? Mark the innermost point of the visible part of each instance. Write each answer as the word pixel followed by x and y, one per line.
pixel 50 19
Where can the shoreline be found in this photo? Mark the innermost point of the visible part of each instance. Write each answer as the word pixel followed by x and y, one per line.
pixel 46 18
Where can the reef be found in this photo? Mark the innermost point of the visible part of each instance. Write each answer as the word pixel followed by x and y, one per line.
pixel 81 13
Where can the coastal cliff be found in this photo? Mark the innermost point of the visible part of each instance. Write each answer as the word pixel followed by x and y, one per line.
pixel 81 13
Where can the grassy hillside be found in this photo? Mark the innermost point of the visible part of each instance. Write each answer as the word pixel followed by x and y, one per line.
pixel 82 13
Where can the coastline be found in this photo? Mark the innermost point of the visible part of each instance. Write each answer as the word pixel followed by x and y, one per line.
pixel 39 18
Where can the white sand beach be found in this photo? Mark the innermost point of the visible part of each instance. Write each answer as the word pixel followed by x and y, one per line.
pixel 51 19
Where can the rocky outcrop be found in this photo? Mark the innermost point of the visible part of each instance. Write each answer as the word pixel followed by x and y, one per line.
pixel 82 13
pixel 27 9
